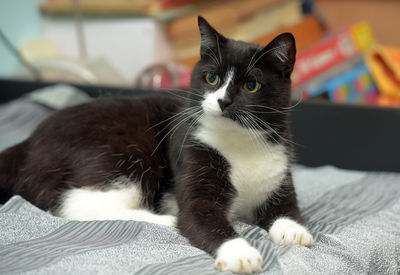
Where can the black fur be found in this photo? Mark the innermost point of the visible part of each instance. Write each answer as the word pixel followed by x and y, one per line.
pixel 93 143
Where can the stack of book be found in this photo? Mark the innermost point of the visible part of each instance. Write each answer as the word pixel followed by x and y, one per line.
pixel 161 9
pixel 335 68
pixel 256 21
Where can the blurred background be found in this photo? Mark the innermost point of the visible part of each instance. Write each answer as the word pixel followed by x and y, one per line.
pixel 348 51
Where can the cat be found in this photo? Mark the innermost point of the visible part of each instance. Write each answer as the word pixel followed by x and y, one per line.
pixel 198 160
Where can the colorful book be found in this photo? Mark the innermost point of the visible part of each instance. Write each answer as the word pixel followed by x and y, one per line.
pixel 331 52
pixel 354 86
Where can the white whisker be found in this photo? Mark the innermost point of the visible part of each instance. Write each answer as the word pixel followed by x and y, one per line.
pixel 267 107
pixel 184 111
pixel 191 126
pixel 264 53
pixel 173 130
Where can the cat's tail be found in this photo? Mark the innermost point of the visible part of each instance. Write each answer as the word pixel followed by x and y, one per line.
pixel 10 161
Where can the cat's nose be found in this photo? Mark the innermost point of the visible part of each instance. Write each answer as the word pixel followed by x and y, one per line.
pixel 223 103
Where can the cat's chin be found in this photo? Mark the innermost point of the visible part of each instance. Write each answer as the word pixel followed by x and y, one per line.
pixel 218 121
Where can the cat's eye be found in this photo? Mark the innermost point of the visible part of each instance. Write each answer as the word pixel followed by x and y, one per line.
pixel 212 78
pixel 251 86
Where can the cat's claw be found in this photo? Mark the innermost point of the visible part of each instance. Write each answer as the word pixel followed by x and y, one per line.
pixel 238 256
pixel 286 231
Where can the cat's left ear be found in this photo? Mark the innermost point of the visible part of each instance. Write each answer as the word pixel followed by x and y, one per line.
pixel 281 52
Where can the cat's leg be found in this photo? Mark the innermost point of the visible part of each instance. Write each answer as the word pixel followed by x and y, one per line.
pixel 204 196
pixel 205 224
pixel 281 217
pixel 113 203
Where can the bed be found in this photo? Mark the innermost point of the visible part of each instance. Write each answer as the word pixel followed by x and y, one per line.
pixel 346 176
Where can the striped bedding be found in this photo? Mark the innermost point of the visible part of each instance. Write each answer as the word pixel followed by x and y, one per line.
pixel 354 216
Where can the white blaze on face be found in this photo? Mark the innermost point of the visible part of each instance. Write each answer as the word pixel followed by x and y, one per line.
pixel 210 103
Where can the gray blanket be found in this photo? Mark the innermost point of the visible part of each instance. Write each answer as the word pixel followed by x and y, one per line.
pixel 354 216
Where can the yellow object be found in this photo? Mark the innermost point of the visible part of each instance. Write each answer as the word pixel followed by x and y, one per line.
pixel 39 49
pixel 384 63
pixel 363 35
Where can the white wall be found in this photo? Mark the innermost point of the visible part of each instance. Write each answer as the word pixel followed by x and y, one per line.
pixel 129 44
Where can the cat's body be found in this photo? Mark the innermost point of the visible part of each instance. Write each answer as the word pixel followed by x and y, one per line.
pixel 221 155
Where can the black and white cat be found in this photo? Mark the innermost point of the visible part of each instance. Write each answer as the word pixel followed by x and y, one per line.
pixel 219 155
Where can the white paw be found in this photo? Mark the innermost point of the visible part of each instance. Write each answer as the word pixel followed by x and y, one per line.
pixel 167 220
pixel 238 256
pixel 287 231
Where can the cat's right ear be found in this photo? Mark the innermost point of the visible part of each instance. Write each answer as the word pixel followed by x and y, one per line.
pixel 210 38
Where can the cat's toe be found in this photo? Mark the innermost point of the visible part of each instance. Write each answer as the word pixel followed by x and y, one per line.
pixel 238 256
pixel 287 231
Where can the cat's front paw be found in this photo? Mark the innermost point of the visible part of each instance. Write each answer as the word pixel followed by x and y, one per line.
pixel 287 231
pixel 238 256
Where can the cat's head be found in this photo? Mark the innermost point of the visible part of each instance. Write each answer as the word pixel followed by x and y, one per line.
pixel 237 79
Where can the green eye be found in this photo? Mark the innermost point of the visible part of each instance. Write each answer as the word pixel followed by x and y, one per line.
pixel 212 78
pixel 251 86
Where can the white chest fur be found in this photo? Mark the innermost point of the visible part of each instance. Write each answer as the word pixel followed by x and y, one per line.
pixel 256 170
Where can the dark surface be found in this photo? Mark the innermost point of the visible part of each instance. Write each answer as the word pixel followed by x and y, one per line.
pixel 11 89
pixel 346 136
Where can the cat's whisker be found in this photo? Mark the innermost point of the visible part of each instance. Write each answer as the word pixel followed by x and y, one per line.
pixel 172 117
pixel 218 48
pixel 213 59
pixel 259 122
pixel 294 105
pixel 189 130
pixel 268 108
pixel 260 139
pixel 251 60
pixel 263 123
pixel 256 136
pixel 253 119
pixel 259 112
pixel 173 129
pixel 215 56
pixel 201 93
pixel 182 114
pixel 192 91
pixel 264 53
pixel 250 127
pixel 180 95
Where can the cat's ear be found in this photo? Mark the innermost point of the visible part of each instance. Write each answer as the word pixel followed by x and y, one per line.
pixel 210 38
pixel 281 52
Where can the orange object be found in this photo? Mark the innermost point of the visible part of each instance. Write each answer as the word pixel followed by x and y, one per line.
pixel 384 63
pixel 220 13
pixel 388 101
pixel 307 32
